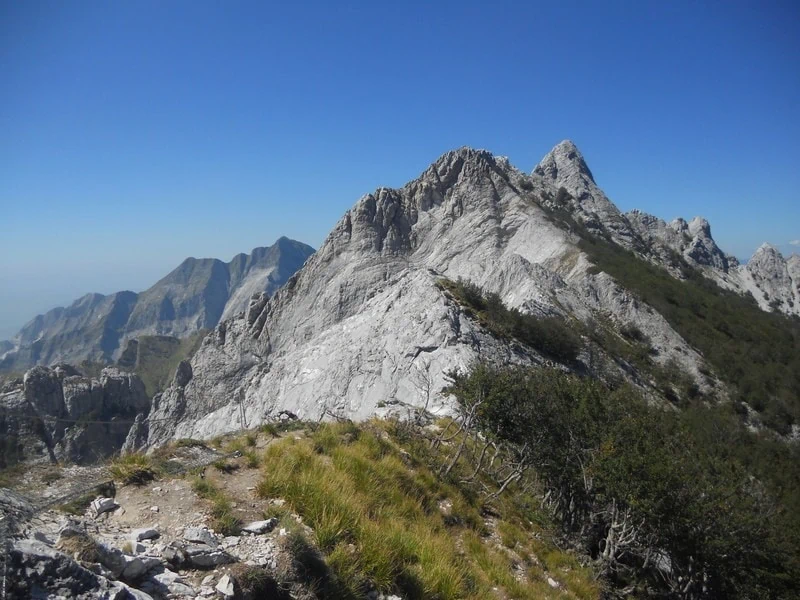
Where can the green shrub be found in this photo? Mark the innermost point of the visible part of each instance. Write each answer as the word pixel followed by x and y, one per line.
pixel 133 469
pixel 550 335
pixel 189 443
pixel 685 478
pixel 225 466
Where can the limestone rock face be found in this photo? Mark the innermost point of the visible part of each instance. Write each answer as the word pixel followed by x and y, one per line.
pixel 564 166
pixel 57 413
pixel 364 328
pixel 194 296
pixel 770 278
pixel 37 571
pixel 692 240
pixel 773 280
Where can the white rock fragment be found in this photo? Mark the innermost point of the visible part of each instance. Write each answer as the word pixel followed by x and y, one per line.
pixel 101 505
pixel 259 527
pixel 225 586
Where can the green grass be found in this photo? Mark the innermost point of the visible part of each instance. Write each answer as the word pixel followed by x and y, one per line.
pixel 223 519
pixel 77 506
pixel 224 466
pixel 11 475
pixel 377 520
pixel 252 459
pixel 134 469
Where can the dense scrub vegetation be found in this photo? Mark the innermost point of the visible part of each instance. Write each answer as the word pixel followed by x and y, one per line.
pixel 685 504
pixel 550 335
pixel 758 353
pixel 755 352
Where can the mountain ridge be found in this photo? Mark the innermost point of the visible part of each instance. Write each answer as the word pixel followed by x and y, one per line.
pixel 353 332
pixel 195 295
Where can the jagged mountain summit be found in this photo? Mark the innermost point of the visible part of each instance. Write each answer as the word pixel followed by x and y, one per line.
pixel 364 327
pixel 194 296
pixel 773 280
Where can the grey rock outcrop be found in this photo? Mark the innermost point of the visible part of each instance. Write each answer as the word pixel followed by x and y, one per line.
pixel 767 276
pixel 55 413
pixel 773 280
pixel 692 241
pixel 364 327
pixel 564 166
pixel 194 296
pixel 36 570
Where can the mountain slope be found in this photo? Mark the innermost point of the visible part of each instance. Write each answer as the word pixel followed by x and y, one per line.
pixel 771 279
pixel 193 296
pixel 365 324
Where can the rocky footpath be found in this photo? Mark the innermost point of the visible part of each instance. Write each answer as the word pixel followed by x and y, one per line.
pixel 58 414
pixel 154 541
pixel 96 556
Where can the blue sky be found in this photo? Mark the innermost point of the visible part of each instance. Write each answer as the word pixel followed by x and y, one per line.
pixel 134 134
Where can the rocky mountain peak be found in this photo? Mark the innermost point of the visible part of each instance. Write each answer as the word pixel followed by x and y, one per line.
pixel 773 280
pixel 565 167
pixel 767 249
pixel 699 226
pixel 767 261
pixel 565 164
pixel 195 295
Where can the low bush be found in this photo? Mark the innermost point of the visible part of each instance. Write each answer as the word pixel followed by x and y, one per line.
pixel 631 481
pixel 134 469
pixel 550 335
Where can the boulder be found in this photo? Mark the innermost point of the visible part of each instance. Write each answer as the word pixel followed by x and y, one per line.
pixel 198 556
pixel 34 570
pixel 200 535
pixel 166 583
pixel 259 527
pixel 225 586
pixel 145 533
pixel 134 568
pixel 100 505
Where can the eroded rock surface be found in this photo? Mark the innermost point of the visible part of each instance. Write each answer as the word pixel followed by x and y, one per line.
pixel 56 413
pixel 364 328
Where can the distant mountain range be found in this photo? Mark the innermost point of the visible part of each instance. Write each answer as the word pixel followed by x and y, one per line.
pixel 194 296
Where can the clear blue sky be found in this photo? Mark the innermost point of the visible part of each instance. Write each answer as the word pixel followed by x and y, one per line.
pixel 134 134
